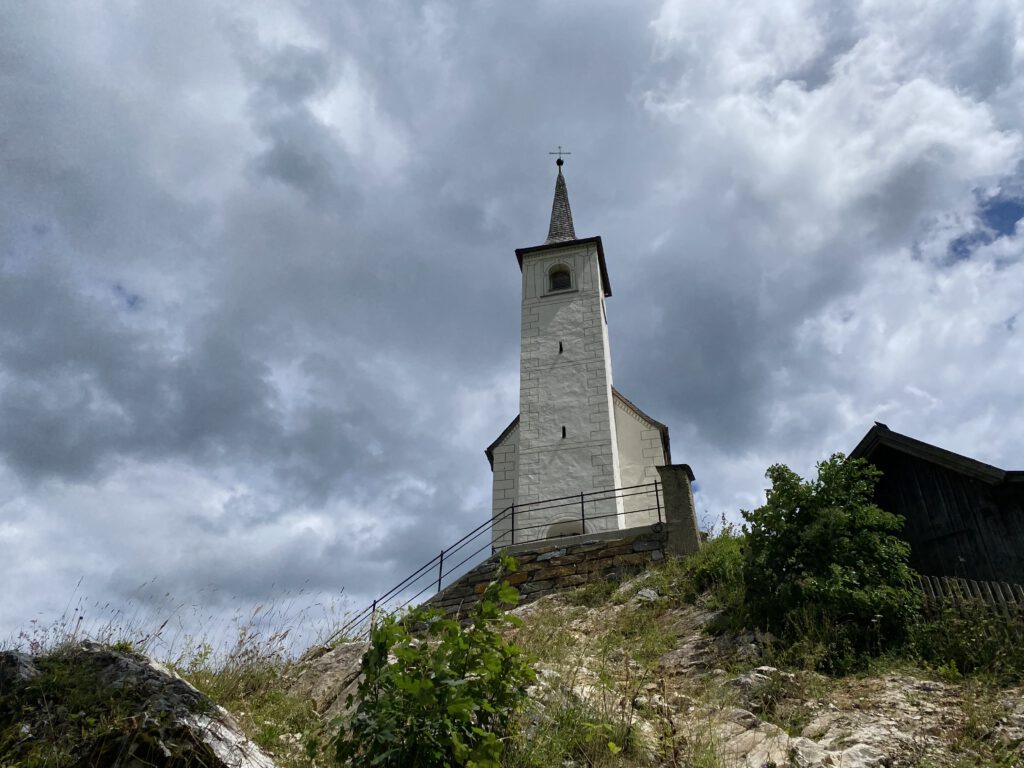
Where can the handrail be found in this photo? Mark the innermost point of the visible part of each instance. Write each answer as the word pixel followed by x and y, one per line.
pixel 435 567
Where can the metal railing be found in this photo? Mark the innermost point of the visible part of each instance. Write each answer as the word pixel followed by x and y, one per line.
pixel 586 508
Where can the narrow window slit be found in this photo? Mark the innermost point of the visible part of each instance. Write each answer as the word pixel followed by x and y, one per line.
pixel 563 431
pixel 559 347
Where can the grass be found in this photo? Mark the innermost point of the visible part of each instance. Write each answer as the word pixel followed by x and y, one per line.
pixel 592 594
pixel 584 711
pixel 60 717
pixel 974 744
pixel 599 650
pixel 252 683
pixel 244 666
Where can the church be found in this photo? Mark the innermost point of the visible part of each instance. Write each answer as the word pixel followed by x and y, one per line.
pixel 579 457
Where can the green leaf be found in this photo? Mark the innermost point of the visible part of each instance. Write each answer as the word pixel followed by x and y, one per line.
pixel 438 702
pixel 508 594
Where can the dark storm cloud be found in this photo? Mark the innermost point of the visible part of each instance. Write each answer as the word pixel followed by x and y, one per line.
pixel 301 152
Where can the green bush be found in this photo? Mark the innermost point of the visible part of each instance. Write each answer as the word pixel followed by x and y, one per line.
pixel 968 639
pixel 448 695
pixel 716 568
pixel 823 564
pixel 714 573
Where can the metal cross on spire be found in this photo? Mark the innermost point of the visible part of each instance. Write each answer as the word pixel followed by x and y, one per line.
pixel 559 162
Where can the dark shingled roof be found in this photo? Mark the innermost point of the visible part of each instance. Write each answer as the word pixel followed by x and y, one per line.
pixel 881 435
pixel 561 229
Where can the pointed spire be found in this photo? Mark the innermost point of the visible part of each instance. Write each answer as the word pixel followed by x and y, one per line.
pixel 561 229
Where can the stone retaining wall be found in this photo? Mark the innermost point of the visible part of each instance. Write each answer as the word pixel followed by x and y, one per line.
pixel 556 565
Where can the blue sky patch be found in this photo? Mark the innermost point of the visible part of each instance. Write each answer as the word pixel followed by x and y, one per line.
pixel 1002 215
pixel 999 217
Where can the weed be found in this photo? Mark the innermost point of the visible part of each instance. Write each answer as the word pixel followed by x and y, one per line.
pixel 714 573
pixel 970 638
pixel 593 594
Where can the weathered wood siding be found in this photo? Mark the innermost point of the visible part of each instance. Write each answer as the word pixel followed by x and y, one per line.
pixel 956 525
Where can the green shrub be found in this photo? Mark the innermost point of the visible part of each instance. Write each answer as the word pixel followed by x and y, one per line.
pixel 716 568
pixel 970 639
pixel 448 696
pixel 824 565
pixel 714 573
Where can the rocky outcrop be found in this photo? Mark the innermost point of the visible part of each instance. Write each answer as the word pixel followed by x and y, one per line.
pixel 327 675
pixel 687 708
pixel 88 705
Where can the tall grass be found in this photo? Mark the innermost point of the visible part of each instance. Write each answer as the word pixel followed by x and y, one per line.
pixel 242 660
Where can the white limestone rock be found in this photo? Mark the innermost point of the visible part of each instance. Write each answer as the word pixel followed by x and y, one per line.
pixel 327 675
pixel 160 718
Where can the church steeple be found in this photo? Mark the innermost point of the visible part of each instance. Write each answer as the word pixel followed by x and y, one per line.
pixel 561 229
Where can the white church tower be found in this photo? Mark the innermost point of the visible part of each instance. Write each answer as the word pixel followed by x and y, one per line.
pixel 575 434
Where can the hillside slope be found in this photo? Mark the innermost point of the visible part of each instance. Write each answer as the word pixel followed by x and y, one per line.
pixel 629 675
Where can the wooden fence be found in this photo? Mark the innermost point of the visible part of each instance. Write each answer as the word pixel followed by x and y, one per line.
pixel 943 591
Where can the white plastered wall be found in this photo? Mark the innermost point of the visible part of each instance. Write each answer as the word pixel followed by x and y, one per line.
pixel 640 450
pixel 568 389
pixel 505 469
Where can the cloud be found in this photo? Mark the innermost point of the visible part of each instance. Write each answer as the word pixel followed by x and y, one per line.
pixel 258 298
pixel 807 191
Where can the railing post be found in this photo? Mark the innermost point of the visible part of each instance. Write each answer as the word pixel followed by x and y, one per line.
pixel 440 569
pixel 513 523
pixel 583 515
pixel 657 501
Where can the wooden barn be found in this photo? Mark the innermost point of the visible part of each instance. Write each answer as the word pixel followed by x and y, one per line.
pixel 964 518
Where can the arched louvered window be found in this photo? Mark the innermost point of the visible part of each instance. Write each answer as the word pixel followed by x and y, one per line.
pixel 560 278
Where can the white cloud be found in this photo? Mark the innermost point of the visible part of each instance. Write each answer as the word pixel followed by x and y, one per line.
pixel 316 208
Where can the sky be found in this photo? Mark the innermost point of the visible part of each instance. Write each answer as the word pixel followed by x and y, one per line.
pixel 259 303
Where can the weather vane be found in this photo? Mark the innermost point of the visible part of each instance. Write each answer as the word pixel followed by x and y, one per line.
pixel 559 162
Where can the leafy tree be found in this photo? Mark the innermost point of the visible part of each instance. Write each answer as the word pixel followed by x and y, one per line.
pixel 821 559
pixel 443 696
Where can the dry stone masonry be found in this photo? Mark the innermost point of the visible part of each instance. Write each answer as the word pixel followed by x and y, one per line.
pixel 546 568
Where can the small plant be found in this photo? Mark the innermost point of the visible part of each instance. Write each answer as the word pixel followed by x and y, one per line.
pixel 443 697
pixel 949 672
pixel 593 594
pixel 123 646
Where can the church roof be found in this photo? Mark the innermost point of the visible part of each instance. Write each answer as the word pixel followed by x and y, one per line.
pixel 655 424
pixel 561 229
pixel 489 450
